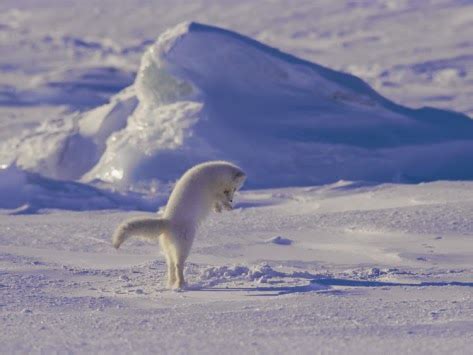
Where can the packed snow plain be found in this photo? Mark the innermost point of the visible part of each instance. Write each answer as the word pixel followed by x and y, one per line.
pixel 342 267
pixel 360 269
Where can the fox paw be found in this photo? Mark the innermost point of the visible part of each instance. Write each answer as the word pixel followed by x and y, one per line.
pixel 227 206
pixel 179 288
pixel 218 207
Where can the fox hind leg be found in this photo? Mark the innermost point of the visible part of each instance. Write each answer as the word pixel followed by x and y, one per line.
pixel 178 259
pixel 180 274
pixel 175 259
pixel 171 272
pixel 168 251
pixel 180 243
pixel 182 252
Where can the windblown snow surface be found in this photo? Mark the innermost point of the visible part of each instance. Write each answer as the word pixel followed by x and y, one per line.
pixel 372 253
pixel 370 269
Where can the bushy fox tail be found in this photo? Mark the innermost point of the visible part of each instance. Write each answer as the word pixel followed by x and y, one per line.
pixel 150 228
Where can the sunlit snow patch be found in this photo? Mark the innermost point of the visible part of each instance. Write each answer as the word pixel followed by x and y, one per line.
pixel 24 192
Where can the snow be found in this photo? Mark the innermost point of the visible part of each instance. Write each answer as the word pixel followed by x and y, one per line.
pixel 280 240
pixel 198 85
pixel 369 269
pixel 327 250
pixel 24 192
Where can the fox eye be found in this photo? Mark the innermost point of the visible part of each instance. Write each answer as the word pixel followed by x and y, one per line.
pixel 226 192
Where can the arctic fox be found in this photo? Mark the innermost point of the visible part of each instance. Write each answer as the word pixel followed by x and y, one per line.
pixel 204 187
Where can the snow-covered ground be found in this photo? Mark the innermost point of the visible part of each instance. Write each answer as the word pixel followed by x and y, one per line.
pixel 342 267
pixel 363 269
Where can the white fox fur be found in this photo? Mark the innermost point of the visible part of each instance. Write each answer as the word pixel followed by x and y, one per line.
pixel 205 187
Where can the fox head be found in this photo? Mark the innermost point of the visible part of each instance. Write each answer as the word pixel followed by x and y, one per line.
pixel 230 178
pixel 234 184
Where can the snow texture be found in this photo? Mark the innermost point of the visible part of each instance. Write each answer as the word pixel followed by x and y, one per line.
pixel 370 270
pixel 205 93
pixel 98 117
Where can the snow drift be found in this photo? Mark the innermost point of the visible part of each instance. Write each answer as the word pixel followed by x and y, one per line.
pixel 24 192
pixel 206 93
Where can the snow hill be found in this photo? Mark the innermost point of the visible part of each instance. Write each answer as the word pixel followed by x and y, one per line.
pixel 204 93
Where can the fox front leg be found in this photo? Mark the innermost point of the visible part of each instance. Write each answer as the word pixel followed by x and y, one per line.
pixel 223 202
pixel 218 207
pixel 227 205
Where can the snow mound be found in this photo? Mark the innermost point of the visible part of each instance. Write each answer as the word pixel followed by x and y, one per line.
pixel 259 273
pixel 259 277
pixel 25 192
pixel 227 273
pixel 205 93
pixel 279 240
